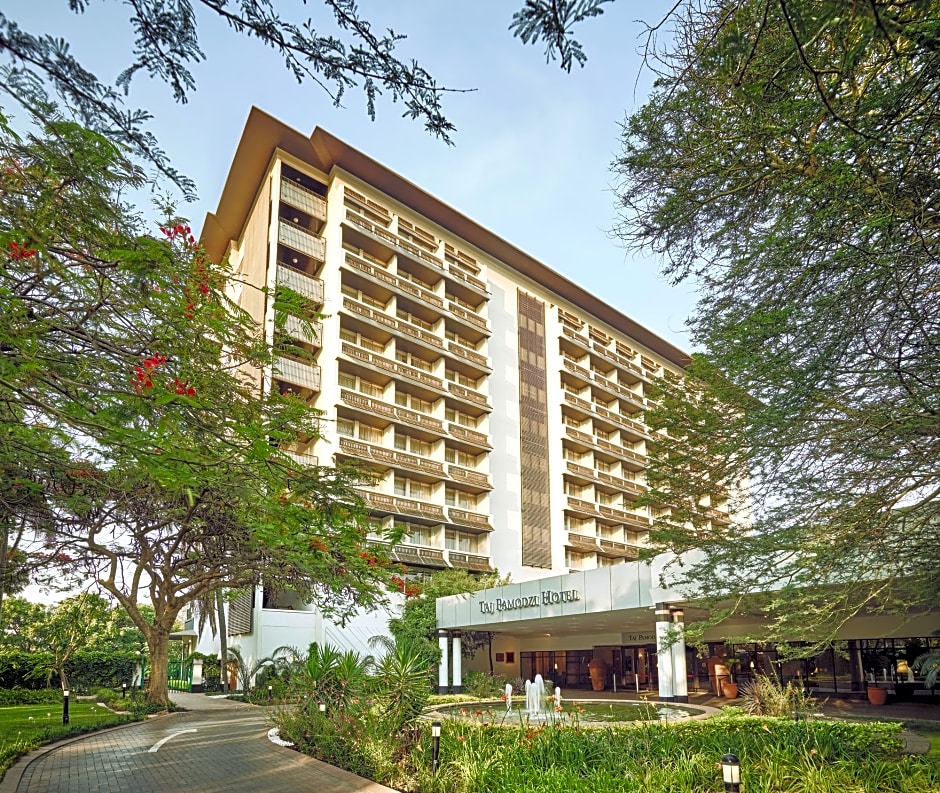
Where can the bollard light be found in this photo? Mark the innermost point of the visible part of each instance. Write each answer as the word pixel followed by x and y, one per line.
pixel 731 773
pixel 123 690
pixel 65 706
pixel 270 690
pixel 322 707
pixel 435 745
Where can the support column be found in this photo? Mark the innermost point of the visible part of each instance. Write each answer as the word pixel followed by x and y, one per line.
pixel 664 653
pixel 457 661
pixel 442 669
pixel 680 679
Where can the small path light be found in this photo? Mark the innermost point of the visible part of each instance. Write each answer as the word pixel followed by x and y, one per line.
pixel 731 773
pixel 435 745
pixel 65 706
pixel 123 690
pixel 270 692
pixel 322 707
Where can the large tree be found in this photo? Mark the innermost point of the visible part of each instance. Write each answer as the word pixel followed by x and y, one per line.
pixel 788 161
pixel 134 413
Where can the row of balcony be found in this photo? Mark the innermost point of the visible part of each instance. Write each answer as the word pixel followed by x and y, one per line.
pixel 634 427
pixel 410 249
pixel 613 514
pixel 424 556
pixel 414 374
pixel 399 505
pixel 584 543
pixel 626 485
pixel 590 376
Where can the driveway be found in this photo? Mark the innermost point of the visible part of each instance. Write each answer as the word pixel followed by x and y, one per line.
pixel 222 746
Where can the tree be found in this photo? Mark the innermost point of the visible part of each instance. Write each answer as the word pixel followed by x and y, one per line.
pixel 133 383
pixel 70 626
pixel 787 160
pixel 417 625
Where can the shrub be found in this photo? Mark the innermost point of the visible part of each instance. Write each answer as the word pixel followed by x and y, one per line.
pixel 764 696
pixel 484 686
pixel 26 696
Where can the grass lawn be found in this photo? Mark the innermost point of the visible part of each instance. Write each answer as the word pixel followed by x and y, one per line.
pixel 27 727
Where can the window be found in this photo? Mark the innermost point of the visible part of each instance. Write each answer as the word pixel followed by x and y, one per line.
pixel 603 561
pixel 606 435
pixel 406 400
pixel 577 457
pixel 571 421
pixel 346 428
pixel 413 360
pixel 579 525
pixel 458 377
pixel 412 488
pixel 408 443
pixel 460 541
pixel 362 341
pixel 354 383
pixel 605 467
pixel 419 535
pixel 463 419
pixel 460 458
pixel 458 339
pixel 576 491
pixel 355 294
pixel 460 302
pixel 412 319
pixel 353 429
pixel 609 499
pixel 457 498
pixel 370 434
pixel 575 560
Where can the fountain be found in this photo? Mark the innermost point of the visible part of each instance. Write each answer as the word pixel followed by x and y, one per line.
pixel 535 698
pixel 508 697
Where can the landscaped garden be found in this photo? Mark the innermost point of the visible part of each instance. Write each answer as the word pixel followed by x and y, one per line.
pixel 371 719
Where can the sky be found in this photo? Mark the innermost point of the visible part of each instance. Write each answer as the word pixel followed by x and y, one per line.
pixel 532 154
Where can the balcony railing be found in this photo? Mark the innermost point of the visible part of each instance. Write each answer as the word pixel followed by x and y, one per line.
pixel 466 518
pixel 469 561
pixel 303 458
pixel 391 457
pixel 300 239
pixel 461 474
pixel 469 436
pixel 382 408
pixel 471 396
pixel 304 375
pixel 468 355
pixel 468 316
pixel 306 285
pixel 402 506
pixel 303 198
pixel 401 284
pixel 394 367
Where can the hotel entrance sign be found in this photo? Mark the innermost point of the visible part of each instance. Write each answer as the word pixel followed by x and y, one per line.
pixel 547 598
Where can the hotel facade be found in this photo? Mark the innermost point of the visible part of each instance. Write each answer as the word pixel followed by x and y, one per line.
pixel 501 405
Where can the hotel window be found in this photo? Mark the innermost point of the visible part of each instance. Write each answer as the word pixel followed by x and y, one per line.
pixel 609 499
pixel 362 297
pixel 575 560
pixel 460 302
pixel 606 435
pixel 362 341
pixel 459 499
pixel 354 383
pixel 458 457
pixel 412 488
pixel 408 443
pixel 604 561
pixel 582 458
pixel 579 525
pixel 346 428
pixel 463 419
pixel 353 429
pixel 571 421
pixel 418 535
pixel 577 491
pixel 462 379
pixel 460 541
pixel 405 357
pixel 458 339
pixel 407 316
pixel 605 467
pixel 403 274
pixel 406 400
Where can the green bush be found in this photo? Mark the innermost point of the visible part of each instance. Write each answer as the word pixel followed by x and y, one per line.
pixel 484 686
pixel 86 670
pixel 26 696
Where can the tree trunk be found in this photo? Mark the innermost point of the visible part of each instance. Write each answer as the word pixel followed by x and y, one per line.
pixel 63 678
pixel 223 640
pixel 158 640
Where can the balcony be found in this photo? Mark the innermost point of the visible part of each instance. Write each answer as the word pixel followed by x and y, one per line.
pixel 601 476
pixel 627 518
pixel 418 556
pixel 617 550
pixel 305 375
pixel 403 285
pixel 582 542
pixel 472 356
pixel 468 316
pixel 400 369
pixel 297 237
pixel 390 457
pixel 469 561
pixel 399 244
pixel 304 199
pixel 295 328
pixel 402 506
pixel 460 474
pixel 304 458
pixel 461 433
pixel 470 396
pixel 473 519
pixel 381 408
pixel 306 285
pixel 377 316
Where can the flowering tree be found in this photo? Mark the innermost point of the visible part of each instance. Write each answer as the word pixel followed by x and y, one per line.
pixel 133 422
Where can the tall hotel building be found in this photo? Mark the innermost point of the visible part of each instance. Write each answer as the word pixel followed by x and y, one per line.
pixel 502 405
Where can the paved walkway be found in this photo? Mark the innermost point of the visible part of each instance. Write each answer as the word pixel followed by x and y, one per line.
pixel 216 745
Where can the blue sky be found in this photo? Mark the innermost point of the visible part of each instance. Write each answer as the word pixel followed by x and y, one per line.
pixel 533 146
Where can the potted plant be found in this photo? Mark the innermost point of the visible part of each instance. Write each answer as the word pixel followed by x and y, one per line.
pixel 876 694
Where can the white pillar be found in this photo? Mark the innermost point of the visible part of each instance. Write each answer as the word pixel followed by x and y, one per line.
pixel 442 669
pixel 457 662
pixel 196 684
pixel 680 674
pixel 664 653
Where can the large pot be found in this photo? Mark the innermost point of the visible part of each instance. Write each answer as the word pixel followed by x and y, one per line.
pixel 729 689
pixel 597 669
pixel 877 696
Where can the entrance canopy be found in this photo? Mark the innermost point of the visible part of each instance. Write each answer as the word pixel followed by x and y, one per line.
pixel 606 600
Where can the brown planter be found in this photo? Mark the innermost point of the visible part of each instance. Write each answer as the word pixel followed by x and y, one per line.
pixel 877 696
pixel 730 690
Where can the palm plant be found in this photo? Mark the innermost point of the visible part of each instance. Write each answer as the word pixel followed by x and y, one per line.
pixel 247 669
pixel 928 664
pixel 330 677
pixel 400 682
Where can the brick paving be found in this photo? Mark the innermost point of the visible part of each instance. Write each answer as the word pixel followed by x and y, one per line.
pixel 229 751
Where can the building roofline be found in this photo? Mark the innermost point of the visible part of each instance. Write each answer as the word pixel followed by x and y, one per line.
pixel 263 134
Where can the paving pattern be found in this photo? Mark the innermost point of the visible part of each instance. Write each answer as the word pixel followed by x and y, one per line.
pixel 223 746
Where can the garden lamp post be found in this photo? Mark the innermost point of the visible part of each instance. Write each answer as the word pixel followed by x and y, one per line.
pixel 731 773
pixel 270 694
pixel 65 706
pixel 322 707
pixel 123 690
pixel 435 745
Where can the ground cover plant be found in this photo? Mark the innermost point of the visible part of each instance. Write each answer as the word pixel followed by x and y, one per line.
pixel 27 727
pixel 478 756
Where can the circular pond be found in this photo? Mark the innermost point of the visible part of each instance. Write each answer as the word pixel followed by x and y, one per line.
pixel 572 711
